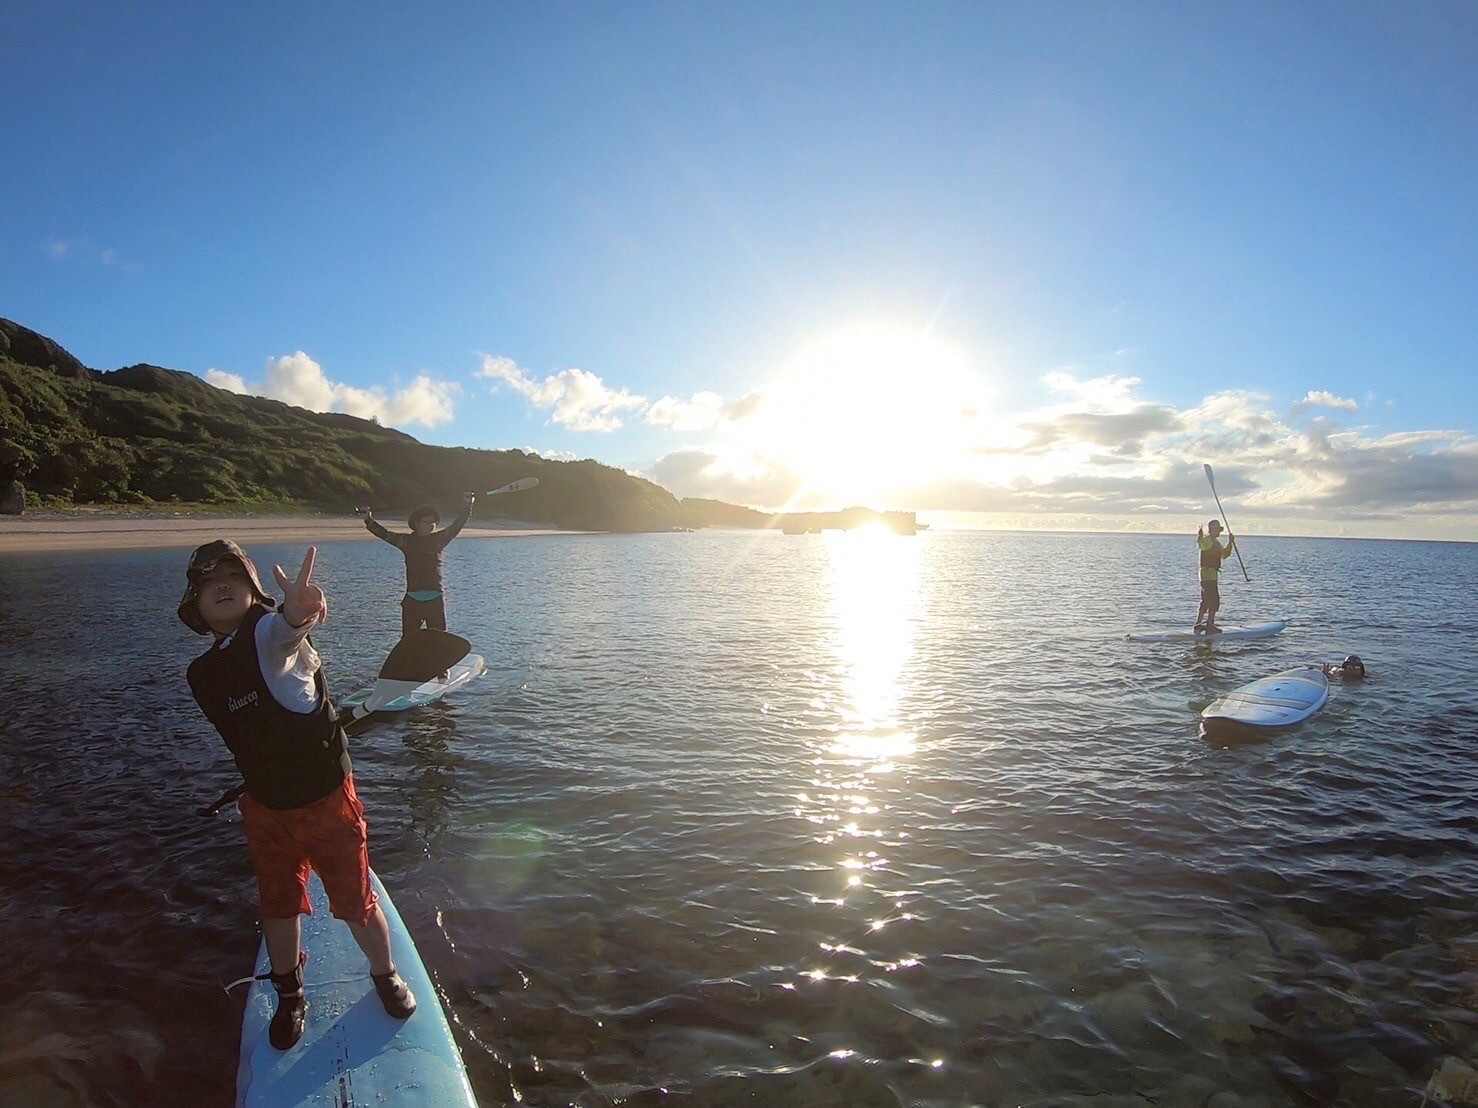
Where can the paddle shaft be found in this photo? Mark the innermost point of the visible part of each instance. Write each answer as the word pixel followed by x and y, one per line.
pixel 226 798
pixel 512 486
pixel 1236 549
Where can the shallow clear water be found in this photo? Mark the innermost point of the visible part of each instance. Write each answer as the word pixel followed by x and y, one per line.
pixel 818 820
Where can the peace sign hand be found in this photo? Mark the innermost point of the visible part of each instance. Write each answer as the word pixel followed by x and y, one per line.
pixel 302 601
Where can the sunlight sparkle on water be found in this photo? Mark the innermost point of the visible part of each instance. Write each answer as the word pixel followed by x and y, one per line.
pixel 874 589
pixel 871 585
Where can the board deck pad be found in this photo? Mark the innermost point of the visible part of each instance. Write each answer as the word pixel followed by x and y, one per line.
pixel 351 1053
pixel 1252 631
pixel 1269 703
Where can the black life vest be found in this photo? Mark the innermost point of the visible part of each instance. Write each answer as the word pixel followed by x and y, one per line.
pixel 287 759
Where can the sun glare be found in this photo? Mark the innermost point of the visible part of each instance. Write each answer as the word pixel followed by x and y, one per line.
pixel 867 411
pixel 873 581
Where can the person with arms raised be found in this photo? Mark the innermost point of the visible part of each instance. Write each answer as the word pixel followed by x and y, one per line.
pixel 424 604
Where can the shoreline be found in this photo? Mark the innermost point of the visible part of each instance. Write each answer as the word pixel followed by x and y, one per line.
pixel 44 532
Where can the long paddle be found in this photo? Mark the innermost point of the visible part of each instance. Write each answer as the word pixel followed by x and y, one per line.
pixel 226 798
pixel 513 486
pixel 1236 547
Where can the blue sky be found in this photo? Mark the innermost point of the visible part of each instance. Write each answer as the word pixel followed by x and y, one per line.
pixel 1007 264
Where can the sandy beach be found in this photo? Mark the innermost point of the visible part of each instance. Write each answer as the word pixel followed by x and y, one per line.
pixel 44 532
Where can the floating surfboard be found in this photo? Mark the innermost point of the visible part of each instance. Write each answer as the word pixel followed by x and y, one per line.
pixel 367 702
pixel 1269 703
pixel 351 1052
pixel 1253 631
pixel 423 667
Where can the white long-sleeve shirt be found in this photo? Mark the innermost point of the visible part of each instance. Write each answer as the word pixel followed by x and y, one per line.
pixel 287 660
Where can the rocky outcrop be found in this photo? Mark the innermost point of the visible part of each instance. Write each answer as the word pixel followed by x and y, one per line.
pixel 12 498
pixel 23 345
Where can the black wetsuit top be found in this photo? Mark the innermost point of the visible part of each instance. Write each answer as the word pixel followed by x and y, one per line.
pixel 287 759
pixel 422 552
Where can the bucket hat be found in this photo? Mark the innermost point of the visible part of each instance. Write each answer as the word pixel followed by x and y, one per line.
pixel 202 561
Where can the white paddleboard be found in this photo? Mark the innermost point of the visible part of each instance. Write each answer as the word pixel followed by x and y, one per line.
pixel 1253 631
pixel 386 696
pixel 351 1052
pixel 1280 700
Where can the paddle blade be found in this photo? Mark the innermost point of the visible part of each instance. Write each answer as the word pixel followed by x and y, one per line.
pixel 515 486
pixel 1210 477
pixel 422 655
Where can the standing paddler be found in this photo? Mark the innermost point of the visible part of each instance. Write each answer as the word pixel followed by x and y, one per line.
pixel 1213 554
pixel 423 603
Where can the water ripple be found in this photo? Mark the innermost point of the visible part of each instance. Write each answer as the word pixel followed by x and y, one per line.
pixel 800 821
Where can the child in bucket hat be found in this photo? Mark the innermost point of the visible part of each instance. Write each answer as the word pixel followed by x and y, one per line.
pixel 261 684
pixel 202 563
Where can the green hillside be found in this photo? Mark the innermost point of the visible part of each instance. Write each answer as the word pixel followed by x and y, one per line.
pixel 146 435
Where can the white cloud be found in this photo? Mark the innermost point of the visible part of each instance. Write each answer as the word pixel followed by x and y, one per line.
pixel 297 379
pixel 744 407
pixel 82 251
pixel 749 480
pixel 703 412
pixel 575 398
pixel 552 455
pixel 1320 398
pixel 1106 393
pixel 1106 456
pixel 231 382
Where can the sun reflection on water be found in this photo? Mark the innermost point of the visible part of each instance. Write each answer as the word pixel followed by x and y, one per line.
pixel 871 586
pixel 873 597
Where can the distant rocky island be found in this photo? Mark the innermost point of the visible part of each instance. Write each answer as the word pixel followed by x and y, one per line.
pixel 145 436
pixel 716 513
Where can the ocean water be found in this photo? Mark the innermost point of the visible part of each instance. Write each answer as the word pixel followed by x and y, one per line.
pixel 829 820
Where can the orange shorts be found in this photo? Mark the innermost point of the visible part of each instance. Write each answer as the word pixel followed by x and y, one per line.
pixel 328 835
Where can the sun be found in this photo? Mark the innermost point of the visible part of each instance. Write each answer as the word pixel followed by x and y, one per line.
pixel 863 413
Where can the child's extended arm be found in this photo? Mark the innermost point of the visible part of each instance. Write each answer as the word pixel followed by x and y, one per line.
pixel 303 602
pixel 287 658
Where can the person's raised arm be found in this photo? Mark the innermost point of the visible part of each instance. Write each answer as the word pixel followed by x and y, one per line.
pixel 450 532
pixel 372 525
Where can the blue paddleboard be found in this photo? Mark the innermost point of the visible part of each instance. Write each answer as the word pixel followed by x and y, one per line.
pixel 1253 631
pixel 397 696
pixel 351 1052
